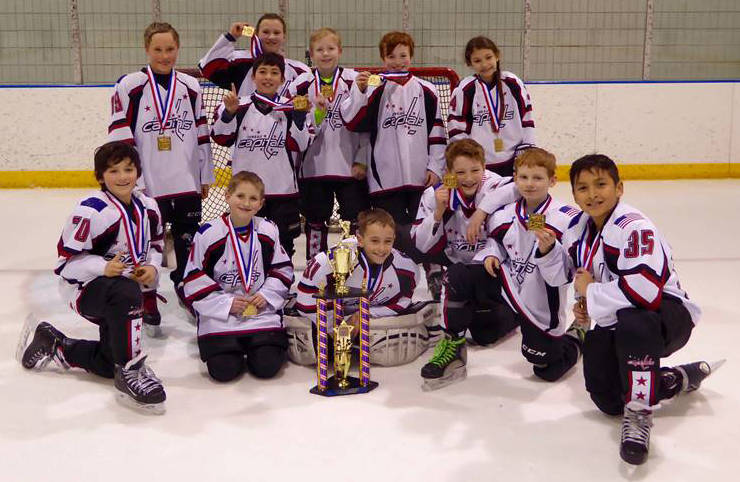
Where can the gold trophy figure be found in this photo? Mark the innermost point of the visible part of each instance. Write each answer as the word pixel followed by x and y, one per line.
pixel 342 353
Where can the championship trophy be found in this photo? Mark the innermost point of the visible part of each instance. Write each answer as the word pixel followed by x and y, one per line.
pixel 343 258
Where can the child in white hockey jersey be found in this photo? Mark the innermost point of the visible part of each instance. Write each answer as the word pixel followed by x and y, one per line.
pixel 493 107
pixel 110 251
pixel 160 111
pixel 268 138
pixel 622 267
pixel 224 65
pixel 390 277
pixel 336 161
pixel 237 280
pixel 442 230
pixel 509 257
pixel 402 114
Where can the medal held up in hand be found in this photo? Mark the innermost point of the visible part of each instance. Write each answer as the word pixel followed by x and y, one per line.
pixel 374 80
pixel 247 31
pixel 300 103
pixel 250 310
pixel 535 221
pixel 450 181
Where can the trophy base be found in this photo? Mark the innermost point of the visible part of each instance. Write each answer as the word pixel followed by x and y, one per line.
pixel 354 388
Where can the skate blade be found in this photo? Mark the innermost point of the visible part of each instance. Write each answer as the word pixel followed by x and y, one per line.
pixel 432 384
pixel 29 326
pixel 153 331
pixel 714 365
pixel 143 408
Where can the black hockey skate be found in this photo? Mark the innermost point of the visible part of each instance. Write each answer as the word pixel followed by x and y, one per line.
pixel 447 365
pixel 636 423
pixel 694 373
pixel 45 346
pixel 138 387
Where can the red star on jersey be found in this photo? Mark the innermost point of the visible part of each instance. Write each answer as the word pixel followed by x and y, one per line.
pixel 147 108
pixel 640 396
pixel 184 96
pixel 138 327
pixel 137 340
pixel 641 381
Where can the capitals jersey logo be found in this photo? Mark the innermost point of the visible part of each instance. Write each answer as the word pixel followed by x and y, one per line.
pixel 270 145
pixel 482 116
pixel 520 269
pixel 233 279
pixel 400 118
pixel 178 123
pixel 333 118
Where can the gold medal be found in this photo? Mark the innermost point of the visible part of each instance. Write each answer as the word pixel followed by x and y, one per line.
pixel 327 91
pixel 139 272
pixel 250 310
pixel 247 31
pixel 535 221
pixel 300 103
pixel 164 143
pixel 450 180
pixel 498 144
pixel 374 80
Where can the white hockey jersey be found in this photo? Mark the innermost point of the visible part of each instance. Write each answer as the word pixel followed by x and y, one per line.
pixel 224 65
pixel 334 148
pixel 629 259
pixel 524 287
pixel 406 131
pixel 470 116
pixel 136 115
pixel 96 231
pixel 390 285
pixel 449 235
pixel 212 278
pixel 266 141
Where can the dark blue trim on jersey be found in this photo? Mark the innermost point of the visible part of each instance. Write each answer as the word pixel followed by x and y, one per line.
pixel 51 86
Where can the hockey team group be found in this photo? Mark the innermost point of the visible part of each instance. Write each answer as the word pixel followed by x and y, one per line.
pixel 470 208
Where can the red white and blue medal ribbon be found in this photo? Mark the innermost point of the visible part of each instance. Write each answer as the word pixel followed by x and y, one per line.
pixel 493 107
pixel 371 282
pixel 457 199
pixel 277 106
pixel 255 46
pixel 163 108
pixel 521 209
pixel 134 232
pixel 394 75
pixel 245 267
pixel 334 83
pixel 585 252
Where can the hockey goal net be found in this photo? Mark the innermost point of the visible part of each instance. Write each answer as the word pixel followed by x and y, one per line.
pixel 443 78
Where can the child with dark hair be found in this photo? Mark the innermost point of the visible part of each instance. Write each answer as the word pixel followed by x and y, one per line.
pixel 225 66
pixel 493 107
pixel 268 136
pixel 622 269
pixel 110 252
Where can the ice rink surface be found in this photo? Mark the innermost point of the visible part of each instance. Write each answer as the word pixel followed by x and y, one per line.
pixel 500 424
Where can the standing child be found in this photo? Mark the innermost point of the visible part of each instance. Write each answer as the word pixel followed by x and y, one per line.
pixel 390 278
pixel 624 271
pixel 160 111
pixel 110 252
pixel 268 136
pixel 492 107
pixel 402 114
pixel 237 280
pixel 224 66
pixel 336 161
